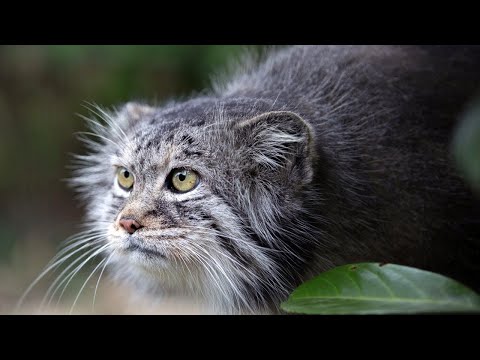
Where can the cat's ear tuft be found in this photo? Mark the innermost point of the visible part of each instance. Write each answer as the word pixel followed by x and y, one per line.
pixel 132 112
pixel 280 141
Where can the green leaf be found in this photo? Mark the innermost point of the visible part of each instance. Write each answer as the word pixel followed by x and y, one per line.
pixel 373 288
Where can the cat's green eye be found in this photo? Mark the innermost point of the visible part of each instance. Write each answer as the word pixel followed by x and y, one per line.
pixel 125 178
pixel 183 180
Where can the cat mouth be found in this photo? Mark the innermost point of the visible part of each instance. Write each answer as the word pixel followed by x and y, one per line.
pixel 134 244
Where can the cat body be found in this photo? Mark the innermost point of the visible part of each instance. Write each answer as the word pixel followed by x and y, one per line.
pixel 312 157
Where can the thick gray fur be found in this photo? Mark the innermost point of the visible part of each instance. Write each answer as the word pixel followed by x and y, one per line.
pixel 309 157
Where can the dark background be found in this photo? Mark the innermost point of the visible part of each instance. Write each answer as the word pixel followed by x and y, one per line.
pixel 42 88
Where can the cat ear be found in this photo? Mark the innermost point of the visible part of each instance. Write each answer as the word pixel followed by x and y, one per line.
pixel 279 141
pixel 132 112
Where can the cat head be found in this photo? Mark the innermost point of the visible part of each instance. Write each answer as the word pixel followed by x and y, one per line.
pixel 202 198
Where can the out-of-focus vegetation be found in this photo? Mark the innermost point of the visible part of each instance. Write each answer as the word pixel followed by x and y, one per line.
pixel 466 145
pixel 41 90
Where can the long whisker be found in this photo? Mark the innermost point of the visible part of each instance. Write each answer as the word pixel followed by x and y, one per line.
pixel 48 268
pixel 85 283
pixel 99 277
pixel 99 136
pixel 113 125
pixel 78 268
pixel 59 277
pixel 79 235
pixel 110 121
pixel 97 127
pixel 69 247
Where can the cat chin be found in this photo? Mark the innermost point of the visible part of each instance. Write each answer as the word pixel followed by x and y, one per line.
pixel 143 262
pixel 160 273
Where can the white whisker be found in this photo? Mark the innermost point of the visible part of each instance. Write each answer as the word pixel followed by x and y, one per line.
pixel 51 265
pixel 99 136
pixel 85 283
pixel 99 277
pixel 78 268
pixel 59 277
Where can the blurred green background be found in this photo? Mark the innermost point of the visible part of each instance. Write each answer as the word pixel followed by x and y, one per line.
pixel 42 88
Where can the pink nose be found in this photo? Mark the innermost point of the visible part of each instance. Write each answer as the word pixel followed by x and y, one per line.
pixel 130 225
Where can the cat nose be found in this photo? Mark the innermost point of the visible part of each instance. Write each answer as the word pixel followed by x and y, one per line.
pixel 130 225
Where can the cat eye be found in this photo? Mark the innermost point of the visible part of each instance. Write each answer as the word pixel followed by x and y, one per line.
pixel 125 178
pixel 183 180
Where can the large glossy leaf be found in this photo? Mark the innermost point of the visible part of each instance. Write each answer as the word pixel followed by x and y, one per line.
pixel 372 288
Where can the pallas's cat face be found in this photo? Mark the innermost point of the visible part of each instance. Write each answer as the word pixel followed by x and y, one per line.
pixel 189 199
